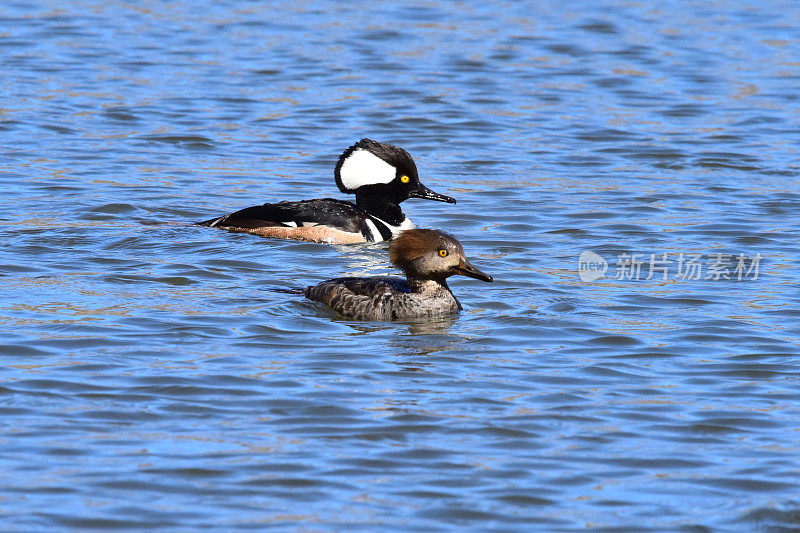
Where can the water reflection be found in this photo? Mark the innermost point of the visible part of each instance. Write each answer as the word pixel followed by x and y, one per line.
pixel 435 326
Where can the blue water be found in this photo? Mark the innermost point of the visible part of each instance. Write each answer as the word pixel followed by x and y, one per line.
pixel 154 377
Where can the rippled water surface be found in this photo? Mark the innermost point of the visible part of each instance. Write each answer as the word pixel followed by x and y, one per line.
pixel 153 375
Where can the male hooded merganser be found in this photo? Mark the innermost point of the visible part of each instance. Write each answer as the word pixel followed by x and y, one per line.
pixel 428 257
pixel 380 175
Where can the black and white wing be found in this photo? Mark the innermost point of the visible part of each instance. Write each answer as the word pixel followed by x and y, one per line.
pixel 337 214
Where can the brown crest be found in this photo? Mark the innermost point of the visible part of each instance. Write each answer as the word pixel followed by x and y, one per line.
pixel 414 243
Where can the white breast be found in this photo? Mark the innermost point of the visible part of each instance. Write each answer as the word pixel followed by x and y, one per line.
pixel 404 225
pixel 376 234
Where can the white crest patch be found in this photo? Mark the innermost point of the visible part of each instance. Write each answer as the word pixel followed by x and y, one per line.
pixel 363 167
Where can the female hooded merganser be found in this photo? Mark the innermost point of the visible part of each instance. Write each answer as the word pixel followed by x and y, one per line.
pixel 380 175
pixel 428 257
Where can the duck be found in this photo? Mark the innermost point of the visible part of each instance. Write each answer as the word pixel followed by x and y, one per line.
pixel 427 257
pixel 380 175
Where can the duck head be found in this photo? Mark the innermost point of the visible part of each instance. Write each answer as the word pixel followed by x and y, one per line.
pixel 432 254
pixel 370 169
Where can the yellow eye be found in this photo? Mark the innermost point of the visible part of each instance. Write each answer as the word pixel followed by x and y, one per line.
pixel 405 179
pixel 443 252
